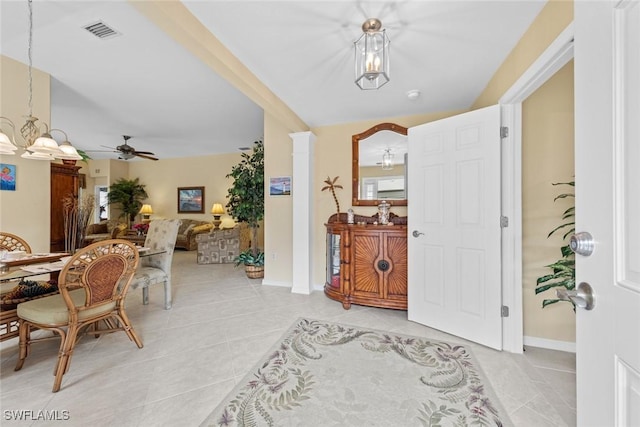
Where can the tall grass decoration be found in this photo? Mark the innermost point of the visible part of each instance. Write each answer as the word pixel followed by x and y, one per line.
pixel 77 214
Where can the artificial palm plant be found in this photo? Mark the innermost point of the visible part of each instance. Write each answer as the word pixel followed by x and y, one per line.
pixel 246 194
pixel 563 271
pixel 128 193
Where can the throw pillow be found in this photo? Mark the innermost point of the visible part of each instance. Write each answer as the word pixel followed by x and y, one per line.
pixel 203 227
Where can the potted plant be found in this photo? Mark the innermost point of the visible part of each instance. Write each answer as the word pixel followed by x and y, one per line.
pixel 128 193
pixel 246 203
pixel 563 271
pixel 253 264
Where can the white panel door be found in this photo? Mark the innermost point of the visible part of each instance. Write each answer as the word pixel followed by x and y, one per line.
pixel 607 109
pixel 454 201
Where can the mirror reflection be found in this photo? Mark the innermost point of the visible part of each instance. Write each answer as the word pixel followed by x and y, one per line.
pixel 379 170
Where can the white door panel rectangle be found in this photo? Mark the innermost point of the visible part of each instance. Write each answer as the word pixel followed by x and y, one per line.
pixel 468 137
pixel 470 277
pixel 628 392
pixel 433 192
pixel 469 193
pixel 433 262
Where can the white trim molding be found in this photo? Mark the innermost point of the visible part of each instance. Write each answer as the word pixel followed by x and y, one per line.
pixel 550 344
pixel 302 223
pixel 556 56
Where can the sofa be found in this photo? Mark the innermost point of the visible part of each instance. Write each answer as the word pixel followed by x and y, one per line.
pixel 188 231
pixel 219 246
pixel 103 230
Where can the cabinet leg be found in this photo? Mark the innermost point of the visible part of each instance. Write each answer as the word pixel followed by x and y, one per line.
pixel 346 304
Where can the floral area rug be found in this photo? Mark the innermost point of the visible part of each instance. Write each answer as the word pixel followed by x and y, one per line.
pixel 328 374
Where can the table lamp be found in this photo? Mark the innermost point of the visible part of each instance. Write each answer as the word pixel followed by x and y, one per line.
pixel 216 211
pixel 146 211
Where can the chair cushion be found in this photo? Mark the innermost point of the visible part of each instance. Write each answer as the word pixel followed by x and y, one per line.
pixel 146 276
pixel 53 310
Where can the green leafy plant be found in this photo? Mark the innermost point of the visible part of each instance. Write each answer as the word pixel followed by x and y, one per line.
pixel 247 257
pixel 246 195
pixel 128 193
pixel 563 271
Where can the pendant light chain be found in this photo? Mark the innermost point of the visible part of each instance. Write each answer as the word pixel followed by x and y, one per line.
pixel 30 130
pixel 30 58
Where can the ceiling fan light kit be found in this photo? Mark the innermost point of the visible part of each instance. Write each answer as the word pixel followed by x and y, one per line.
pixel 372 56
pixel 127 152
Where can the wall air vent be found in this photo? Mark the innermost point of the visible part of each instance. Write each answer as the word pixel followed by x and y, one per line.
pixel 101 30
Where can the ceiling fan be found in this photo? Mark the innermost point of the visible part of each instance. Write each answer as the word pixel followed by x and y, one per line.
pixel 126 152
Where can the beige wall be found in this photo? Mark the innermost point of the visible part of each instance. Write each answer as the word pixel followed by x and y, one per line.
pixel 278 210
pixel 547 152
pixel 550 22
pixel 26 211
pixel 162 179
pixel 553 324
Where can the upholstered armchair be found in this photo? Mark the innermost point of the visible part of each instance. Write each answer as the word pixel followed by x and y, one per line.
pixel 156 269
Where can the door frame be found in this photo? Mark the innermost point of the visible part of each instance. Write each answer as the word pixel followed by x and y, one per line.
pixel 556 56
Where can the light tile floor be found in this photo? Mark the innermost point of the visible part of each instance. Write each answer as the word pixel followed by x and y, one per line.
pixel 220 324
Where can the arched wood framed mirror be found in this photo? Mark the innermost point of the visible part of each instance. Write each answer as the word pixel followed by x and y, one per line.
pixel 379 168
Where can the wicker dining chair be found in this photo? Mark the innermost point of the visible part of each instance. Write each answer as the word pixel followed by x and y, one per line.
pixel 11 242
pixel 93 285
pixel 156 269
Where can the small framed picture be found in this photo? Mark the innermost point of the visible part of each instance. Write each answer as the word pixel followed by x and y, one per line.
pixel 190 199
pixel 280 186
pixel 7 177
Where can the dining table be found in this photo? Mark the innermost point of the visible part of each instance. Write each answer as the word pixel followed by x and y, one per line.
pixel 33 266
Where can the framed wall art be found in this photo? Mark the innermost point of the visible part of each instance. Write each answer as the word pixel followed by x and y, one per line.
pixel 280 186
pixel 7 177
pixel 190 199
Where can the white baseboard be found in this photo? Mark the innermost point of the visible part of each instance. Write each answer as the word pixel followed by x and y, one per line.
pixel 318 287
pixel 267 282
pixel 550 344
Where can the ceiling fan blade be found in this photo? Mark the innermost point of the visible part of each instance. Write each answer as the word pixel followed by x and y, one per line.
pixel 144 156
pixel 106 146
pixel 144 152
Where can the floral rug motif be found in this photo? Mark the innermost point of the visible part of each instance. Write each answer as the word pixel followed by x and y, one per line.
pixel 322 373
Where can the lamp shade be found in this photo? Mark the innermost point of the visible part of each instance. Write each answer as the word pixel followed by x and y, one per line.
pixel 45 144
pixel 146 210
pixel 69 152
pixel 37 156
pixel 217 209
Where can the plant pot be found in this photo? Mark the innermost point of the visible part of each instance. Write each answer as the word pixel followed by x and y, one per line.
pixel 254 271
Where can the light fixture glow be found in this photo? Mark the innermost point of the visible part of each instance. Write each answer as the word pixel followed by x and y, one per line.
pixel 387 160
pixel 217 210
pixel 146 211
pixel 372 56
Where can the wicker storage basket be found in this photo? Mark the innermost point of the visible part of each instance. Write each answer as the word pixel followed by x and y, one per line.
pixel 254 272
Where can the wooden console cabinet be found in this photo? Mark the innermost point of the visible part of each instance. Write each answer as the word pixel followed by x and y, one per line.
pixel 367 265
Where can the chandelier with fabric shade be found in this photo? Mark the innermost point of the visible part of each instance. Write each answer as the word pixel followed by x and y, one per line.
pixel 37 144
pixel 372 56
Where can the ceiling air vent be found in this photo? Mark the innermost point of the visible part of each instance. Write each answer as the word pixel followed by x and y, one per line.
pixel 101 30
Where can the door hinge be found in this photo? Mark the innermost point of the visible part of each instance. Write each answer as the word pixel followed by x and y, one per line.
pixel 504 131
pixel 504 311
pixel 504 221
